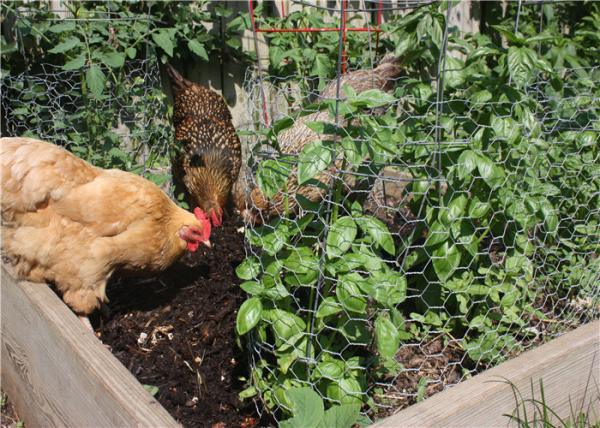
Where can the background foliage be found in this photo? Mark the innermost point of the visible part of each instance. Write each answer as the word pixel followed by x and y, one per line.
pixel 504 230
pixel 92 52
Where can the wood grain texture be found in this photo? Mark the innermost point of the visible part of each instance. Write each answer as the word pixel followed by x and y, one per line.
pixel 564 365
pixel 57 373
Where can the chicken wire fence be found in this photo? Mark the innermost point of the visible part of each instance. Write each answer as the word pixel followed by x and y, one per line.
pixel 126 127
pixel 458 278
pixel 404 235
pixel 435 232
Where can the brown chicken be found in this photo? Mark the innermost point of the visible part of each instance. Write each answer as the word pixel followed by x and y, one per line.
pixel 250 201
pixel 71 224
pixel 211 154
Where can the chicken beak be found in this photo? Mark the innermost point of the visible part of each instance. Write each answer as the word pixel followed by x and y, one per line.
pixel 207 243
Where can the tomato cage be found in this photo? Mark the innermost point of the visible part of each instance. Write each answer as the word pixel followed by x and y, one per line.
pixel 398 241
pixel 378 8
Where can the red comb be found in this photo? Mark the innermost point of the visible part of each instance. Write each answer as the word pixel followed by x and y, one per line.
pixel 201 216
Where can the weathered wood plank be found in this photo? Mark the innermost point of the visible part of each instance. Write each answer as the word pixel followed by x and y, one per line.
pixel 58 374
pixel 564 365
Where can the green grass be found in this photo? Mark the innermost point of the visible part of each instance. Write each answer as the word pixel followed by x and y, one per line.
pixel 535 412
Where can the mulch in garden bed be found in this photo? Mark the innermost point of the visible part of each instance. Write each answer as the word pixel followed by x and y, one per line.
pixel 436 362
pixel 176 332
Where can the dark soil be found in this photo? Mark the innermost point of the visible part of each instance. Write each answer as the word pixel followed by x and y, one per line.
pixel 438 361
pixel 177 332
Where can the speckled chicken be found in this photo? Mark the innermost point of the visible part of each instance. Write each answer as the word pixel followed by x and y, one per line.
pixel 211 153
pixel 250 201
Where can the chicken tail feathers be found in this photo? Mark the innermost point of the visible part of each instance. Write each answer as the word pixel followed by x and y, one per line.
pixel 389 66
pixel 177 80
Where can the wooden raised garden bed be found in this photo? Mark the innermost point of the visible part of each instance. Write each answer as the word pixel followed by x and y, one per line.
pixel 57 373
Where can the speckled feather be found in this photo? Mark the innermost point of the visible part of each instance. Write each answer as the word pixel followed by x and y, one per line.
pixel 192 99
pixel 254 206
pixel 211 155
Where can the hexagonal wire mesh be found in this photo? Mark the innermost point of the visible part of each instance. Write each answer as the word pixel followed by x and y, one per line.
pixel 463 244
pixel 430 237
pixel 126 127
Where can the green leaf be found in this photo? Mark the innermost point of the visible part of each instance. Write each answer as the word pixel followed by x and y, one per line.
pixel 95 80
pixel 421 389
pixel 63 27
pixel 466 164
pixel 352 150
pixel 153 390
pixel 340 237
pixel 377 230
pixel 346 391
pixel 520 62
pixel 196 47
pixel 407 41
pixel 464 234
pixel 509 34
pixel 349 293
pixel 482 51
pixel 248 269
pixel 130 52
pixel 343 416
pixel 438 232
pixel 390 288
pixel 331 368
pixel 75 63
pixel 329 306
pixel 347 263
pixel 314 158
pixel 273 242
pixel 491 173
pixel 164 40
pixel 436 34
pixel 481 97
pixel 113 59
pixel 271 176
pixel 252 287
pixel 348 90
pixel 249 392
pixel 455 74
pixel 301 260
pixel 307 408
pixel 423 27
pixel 446 260
pixel 506 128
pixel 234 43
pixel 477 208
pixel 550 218
pixel 321 66
pixel 322 128
pixel 248 315
pixel 277 292
pixel 373 98
pixel 456 209
pixel 66 46
pixel 386 336
pixel 237 24
pixel 285 325
pixel 302 280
